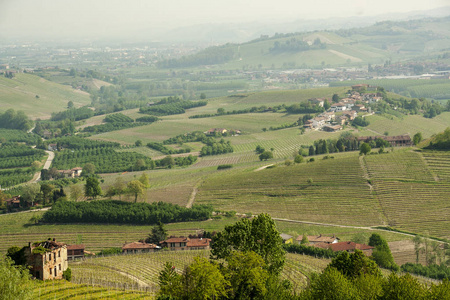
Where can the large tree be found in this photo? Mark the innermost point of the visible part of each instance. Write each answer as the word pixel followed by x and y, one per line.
pixel 15 281
pixel 92 187
pixel 158 234
pixel 258 235
pixel 136 188
pixel 382 254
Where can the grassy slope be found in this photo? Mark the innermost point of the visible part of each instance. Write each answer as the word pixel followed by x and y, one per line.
pixel 20 93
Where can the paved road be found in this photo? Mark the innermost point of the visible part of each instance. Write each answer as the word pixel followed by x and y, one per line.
pixel 47 164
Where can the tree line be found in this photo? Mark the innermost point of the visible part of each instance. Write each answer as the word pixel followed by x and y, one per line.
pixel 120 212
pixel 12 119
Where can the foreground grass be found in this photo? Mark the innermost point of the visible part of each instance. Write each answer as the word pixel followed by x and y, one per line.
pixel 61 289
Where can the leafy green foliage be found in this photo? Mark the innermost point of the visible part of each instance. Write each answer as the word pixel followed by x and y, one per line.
pixel 11 119
pixel 74 114
pixel 382 254
pixel 15 135
pixel 173 107
pixel 92 187
pixel 106 160
pixel 158 234
pixel 163 149
pixel 111 127
pixel 78 143
pixel 417 138
pixel 364 148
pixel 360 121
pixel 120 212
pixel 67 274
pixel 118 118
pixel 259 235
pixel 147 119
pixel 266 155
pixel 15 282
pixel 354 265
pixel 247 275
pixel 304 108
pixel 15 156
pixel 434 271
pixel 309 250
pixel 214 148
pixel 440 141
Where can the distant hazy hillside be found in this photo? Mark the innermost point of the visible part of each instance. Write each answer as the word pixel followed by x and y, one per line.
pixel 374 44
pixel 37 97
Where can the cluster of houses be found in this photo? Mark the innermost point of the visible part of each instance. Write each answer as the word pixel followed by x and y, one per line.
pixel 173 244
pixel 347 109
pixel 328 242
pixel 49 259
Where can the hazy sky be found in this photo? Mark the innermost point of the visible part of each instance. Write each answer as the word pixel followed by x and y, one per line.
pixel 97 18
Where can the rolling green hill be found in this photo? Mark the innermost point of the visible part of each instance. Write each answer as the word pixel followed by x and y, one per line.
pixel 373 44
pixel 37 97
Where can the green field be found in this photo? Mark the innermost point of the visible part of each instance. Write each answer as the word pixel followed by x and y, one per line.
pixel 61 289
pixel 20 93
pixel 410 124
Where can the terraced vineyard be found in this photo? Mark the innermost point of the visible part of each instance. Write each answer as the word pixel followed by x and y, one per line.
pixel 411 196
pixel 330 191
pixel 60 289
pixel 146 267
pixel 439 164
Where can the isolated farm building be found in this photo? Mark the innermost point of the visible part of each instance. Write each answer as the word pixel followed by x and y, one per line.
pixel 332 128
pixel 287 239
pixel 316 239
pixel 52 147
pixel 75 252
pixel 139 247
pixel 351 247
pixel 318 101
pixel 213 131
pixel 184 243
pixel 72 173
pixel 13 202
pixel 360 87
pixel 47 260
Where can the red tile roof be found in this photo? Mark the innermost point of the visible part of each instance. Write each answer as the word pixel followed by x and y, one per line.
pixel 176 240
pixel 138 245
pixel 75 247
pixel 318 238
pixel 198 242
pixel 346 246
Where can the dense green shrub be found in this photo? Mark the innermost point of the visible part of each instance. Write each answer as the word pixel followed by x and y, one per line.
pixel 434 271
pixel 120 212
pixel 309 250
